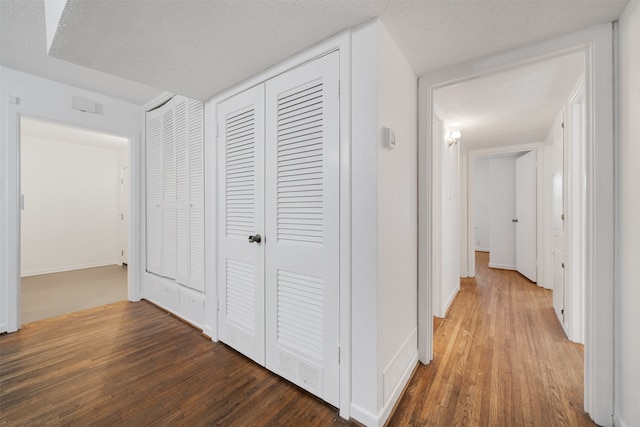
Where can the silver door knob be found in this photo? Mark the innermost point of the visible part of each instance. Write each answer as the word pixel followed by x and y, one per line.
pixel 255 239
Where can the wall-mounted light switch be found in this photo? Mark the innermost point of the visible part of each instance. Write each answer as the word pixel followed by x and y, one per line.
pixel 388 138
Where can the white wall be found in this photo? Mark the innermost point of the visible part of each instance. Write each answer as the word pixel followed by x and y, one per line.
pixel 384 224
pixel 502 240
pixel 46 99
pixel 397 221
pixel 72 202
pixel 627 348
pixel 364 143
pixel 449 196
pixel 482 200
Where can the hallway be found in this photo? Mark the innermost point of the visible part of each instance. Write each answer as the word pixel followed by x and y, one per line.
pixel 500 358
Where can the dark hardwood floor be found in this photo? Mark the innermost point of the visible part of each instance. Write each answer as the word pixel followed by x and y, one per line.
pixel 500 359
pixel 131 364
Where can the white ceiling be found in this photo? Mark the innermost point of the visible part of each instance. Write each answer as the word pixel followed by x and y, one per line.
pixel 23 48
pixel 198 48
pixel 513 107
pixel 42 129
pixel 134 50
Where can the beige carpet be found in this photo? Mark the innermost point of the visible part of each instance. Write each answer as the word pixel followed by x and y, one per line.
pixel 50 295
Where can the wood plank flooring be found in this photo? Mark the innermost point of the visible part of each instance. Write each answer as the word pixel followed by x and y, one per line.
pixel 131 364
pixel 500 359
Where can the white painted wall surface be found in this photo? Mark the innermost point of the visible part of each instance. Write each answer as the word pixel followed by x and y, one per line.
pixel 503 236
pixel 437 212
pixel 50 100
pixel 450 224
pixel 384 224
pixel 364 232
pixel 482 200
pixel 627 348
pixel 72 198
pixel 397 222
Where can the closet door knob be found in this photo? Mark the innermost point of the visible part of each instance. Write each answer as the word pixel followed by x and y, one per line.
pixel 255 239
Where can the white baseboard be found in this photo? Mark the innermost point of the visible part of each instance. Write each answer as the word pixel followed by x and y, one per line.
pixel 397 374
pixel 69 268
pixel 364 417
pixel 3 328
pixel 210 332
pixel 394 378
pixel 450 300
pixel 502 266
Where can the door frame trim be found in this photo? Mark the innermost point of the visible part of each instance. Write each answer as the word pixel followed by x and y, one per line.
pixel 597 45
pixel 14 114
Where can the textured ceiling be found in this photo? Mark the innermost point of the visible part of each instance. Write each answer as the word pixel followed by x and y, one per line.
pixel 35 128
pixel 23 47
pixel 513 107
pixel 199 48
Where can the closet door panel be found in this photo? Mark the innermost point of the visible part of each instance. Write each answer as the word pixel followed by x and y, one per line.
pixel 196 194
pixel 240 215
pixel 169 217
pixel 182 190
pixel 302 226
pixel 154 193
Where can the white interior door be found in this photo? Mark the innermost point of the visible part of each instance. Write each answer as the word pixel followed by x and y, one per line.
pixel 558 249
pixel 302 226
pixel 557 220
pixel 526 197
pixel 241 215
pixel 154 184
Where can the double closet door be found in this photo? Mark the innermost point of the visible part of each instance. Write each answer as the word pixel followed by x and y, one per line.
pixel 278 212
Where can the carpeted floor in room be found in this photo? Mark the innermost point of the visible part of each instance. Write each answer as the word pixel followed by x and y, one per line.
pixel 49 295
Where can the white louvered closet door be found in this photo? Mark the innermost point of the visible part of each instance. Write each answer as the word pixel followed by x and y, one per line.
pixel 302 226
pixel 195 143
pixel 154 191
pixel 182 190
pixel 189 172
pixel 240 215
pixel 169 249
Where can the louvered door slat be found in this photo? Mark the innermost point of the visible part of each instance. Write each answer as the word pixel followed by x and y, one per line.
pixel 302 196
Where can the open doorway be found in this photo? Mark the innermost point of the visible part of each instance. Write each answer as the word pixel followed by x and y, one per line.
pixel 74 218
pixel 504 202
pixel 506 141
pixel 596 46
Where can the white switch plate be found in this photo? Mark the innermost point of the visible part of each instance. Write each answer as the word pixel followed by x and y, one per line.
pixel 388 138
